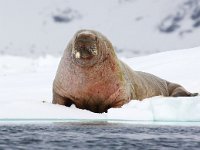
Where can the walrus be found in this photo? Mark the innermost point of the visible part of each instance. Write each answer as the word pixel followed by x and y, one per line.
pixel 92 77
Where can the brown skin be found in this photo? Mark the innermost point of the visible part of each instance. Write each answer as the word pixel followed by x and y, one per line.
pixel 92 77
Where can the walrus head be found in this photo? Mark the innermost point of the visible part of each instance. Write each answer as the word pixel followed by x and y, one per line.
pixel 85 45
pixel 88 48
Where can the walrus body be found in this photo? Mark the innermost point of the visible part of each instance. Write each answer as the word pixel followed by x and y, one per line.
pixel 92 77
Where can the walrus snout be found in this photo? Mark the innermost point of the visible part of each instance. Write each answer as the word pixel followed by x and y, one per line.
pixel 85 45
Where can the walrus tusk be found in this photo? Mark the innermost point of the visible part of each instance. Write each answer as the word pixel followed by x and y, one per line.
pixel 77 55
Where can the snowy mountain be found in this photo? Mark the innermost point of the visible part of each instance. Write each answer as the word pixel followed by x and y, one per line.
pixel 135 27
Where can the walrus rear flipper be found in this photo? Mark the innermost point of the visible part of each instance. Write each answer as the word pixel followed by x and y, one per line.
pixel 183 93
pixel 194 94
pixel 176 90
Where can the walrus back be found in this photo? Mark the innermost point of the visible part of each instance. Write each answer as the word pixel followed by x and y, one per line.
pixel 144 85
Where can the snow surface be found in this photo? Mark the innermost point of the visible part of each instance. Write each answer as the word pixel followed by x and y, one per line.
pixel 26 84
pixel 135 27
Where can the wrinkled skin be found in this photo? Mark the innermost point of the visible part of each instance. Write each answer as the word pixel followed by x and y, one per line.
pixel 92 77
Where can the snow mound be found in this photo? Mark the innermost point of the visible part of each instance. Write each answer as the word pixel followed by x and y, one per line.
pixel 26 84
pixel 159 109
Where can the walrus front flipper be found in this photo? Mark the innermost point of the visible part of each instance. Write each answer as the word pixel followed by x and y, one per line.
pixel 57 99
pixel 176 90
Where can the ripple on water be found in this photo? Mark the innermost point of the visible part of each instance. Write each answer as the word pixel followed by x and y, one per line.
pixel 98 136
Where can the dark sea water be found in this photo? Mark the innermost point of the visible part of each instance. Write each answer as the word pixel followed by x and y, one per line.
pixel 98 136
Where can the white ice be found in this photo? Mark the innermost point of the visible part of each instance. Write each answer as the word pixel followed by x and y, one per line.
pixel 26 85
